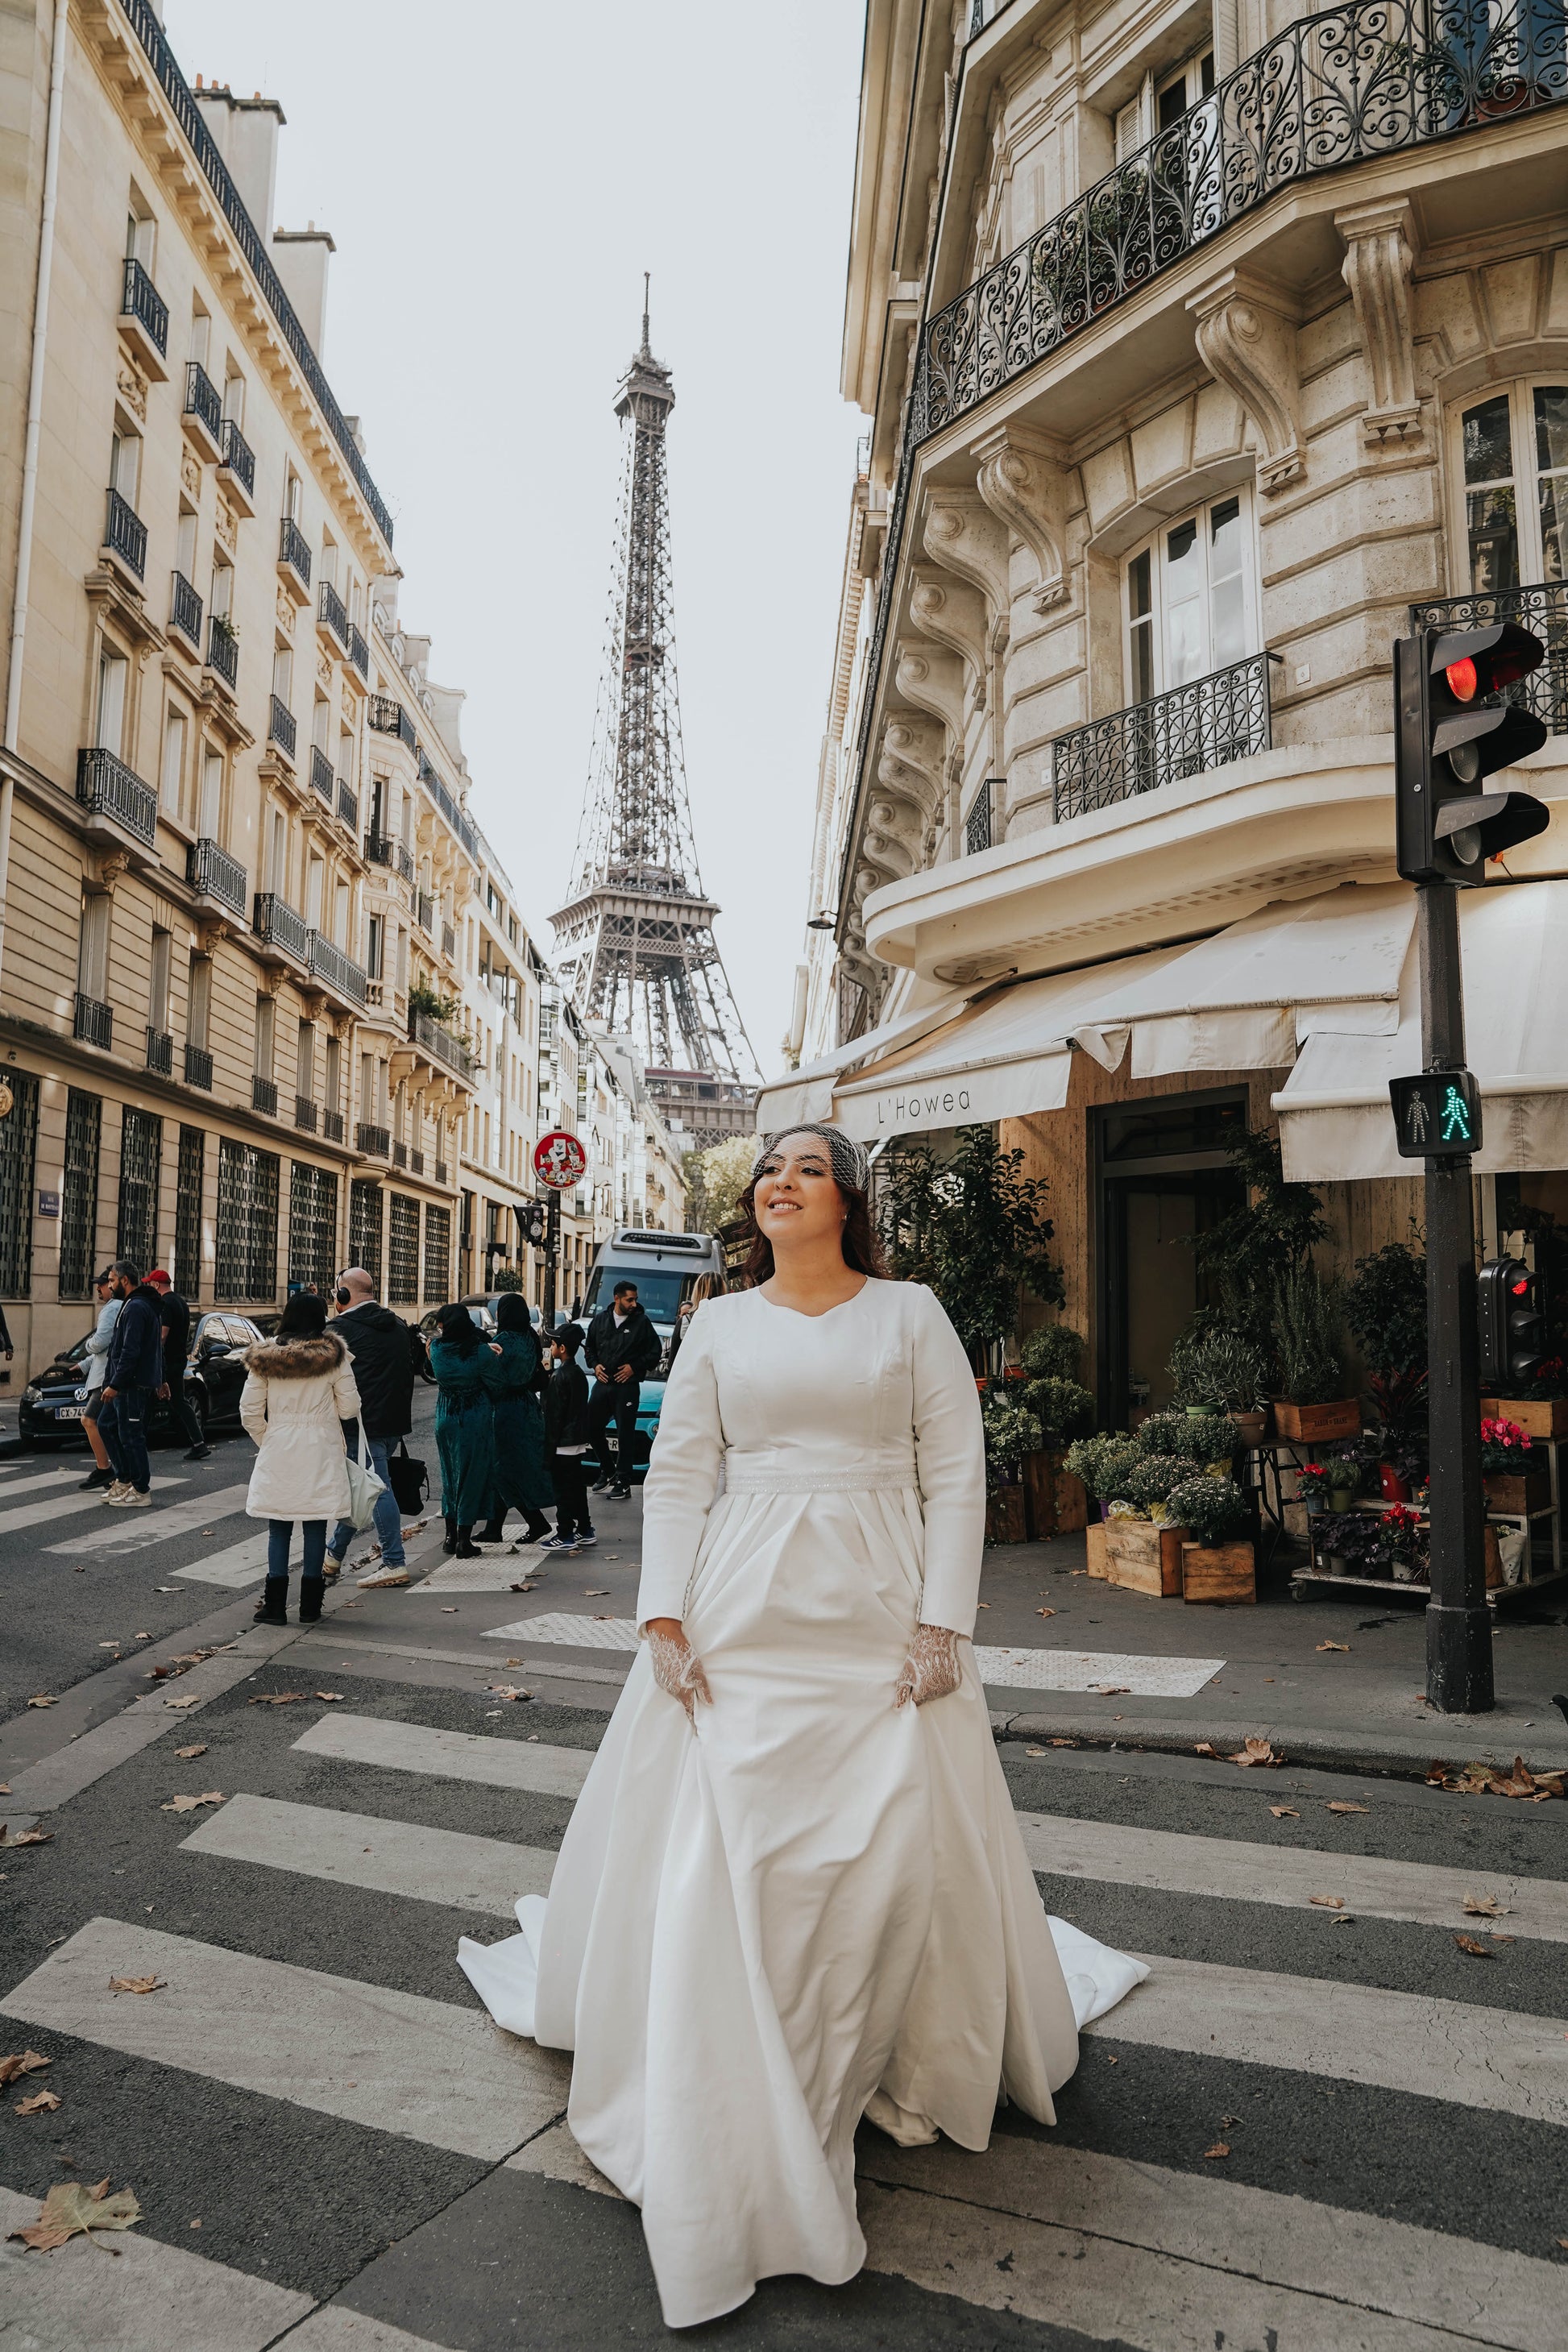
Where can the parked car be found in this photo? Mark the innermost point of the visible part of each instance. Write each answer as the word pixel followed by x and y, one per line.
pixel 51 1405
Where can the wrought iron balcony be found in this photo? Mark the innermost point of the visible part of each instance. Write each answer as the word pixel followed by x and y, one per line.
pixel 160 1053
pixel 125 534
pixel 378 848
pixel 1543 610
pixel 304 1115
pixel 339 970
pixel 203 409
pixel 263 1096
pixel 105 786
pixel 425 910
pixel 359 651
pixel 321 778
pixel 94 1023
pixel 186 611
pixel 333 613
pixel 368 1138
pixel 216 874
pixel 293 554
pixel 416 1163
pixel 440 1171
pixel 348 806
pixel 449 809
pixel 281 729
pixel 333 1125
pixel 1194 728
pixel 198 1067
pixel 405 858
pixel 237 459
pixel 276 925
pixel 388 717
pixel 448 940
pixel 222 649
pixel 441 1044
pixel 400 1155
pixel 140 299
pixel 979 825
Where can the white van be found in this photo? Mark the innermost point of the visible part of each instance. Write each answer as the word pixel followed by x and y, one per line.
pixel 663 1265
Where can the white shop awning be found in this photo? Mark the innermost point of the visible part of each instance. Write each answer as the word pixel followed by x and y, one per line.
pixel 808 1093
pixel 1335 1124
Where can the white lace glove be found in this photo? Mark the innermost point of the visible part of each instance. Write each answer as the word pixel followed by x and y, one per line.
pixel 931 1670
pixel 677 1669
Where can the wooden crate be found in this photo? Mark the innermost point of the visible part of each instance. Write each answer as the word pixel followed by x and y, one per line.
pixel 1304 1424
pixel 1094 1549
pixel 1005 1518
pixel 1143 1557
pixel 1529 1494
pixel 1227 1573
pixel 1537 1416
pixel 1058 1503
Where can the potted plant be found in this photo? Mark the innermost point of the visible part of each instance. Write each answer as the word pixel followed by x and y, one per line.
pixel 1100 1464
pixel 1208 1438
pixel 1010 1432
pixel 1218 1369
pixel 1343 1481
pixel 1314 1487
pixel 1540 1406
pixel 1053 1393
pixel 1386 1307
pixel 1307 1320
pixel 1217 1563
pixel 974 1228
pixel 1515 1476
pixel 1404 1544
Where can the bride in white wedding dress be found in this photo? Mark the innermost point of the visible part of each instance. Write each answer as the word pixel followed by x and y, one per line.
pixel 793 1892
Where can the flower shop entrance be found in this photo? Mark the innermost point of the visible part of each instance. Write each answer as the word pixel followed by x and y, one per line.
pixel 1162 1177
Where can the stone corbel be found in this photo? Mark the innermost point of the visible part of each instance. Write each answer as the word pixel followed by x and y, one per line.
pixel 1379 256
pixel 1022 480
pixel 110 867
pixel 919 743
pixel 947 609
pixel 963 536
pixel 932 681
pixel 210 936
pixel 1247 339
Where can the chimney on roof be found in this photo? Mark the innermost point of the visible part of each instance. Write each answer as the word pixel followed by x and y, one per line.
pixel 299 258
pixel 245 133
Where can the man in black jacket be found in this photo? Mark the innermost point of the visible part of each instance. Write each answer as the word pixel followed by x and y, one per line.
pixel 381 1351
pixel 175 1317
pixel 623 1349
pixel 566 1440
pixel 135 1370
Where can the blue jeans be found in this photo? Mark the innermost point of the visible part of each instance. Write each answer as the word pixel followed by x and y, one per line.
pixel 388 1517
pixel 122 1425
pixel 314 1539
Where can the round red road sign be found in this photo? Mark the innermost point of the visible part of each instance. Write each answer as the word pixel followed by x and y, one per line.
pixel 559 1160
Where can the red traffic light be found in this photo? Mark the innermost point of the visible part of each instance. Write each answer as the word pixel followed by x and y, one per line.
pixel 1462 680
pixel 1481 661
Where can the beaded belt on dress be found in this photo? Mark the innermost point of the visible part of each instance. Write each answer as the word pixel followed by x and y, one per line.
pixel 744 1477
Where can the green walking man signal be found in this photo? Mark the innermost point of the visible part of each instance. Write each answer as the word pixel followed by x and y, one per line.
pixel 1437 1116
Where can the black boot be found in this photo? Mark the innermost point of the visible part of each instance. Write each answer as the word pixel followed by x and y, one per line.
pixel 272 1609
pixel 311 1588
pixel 537 1528
pixel 450 1544
pixel 494 1529
pixel 465 1547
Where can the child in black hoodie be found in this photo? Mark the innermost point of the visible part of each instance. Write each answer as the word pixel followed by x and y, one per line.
pixel 567 1439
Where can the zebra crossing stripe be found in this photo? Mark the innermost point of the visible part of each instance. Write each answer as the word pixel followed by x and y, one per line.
pixel 425 1865
pixel 449 1755
pixel 152 2298
pixel 49 1509
pixel 71 1477
pixel 394 2062
pixel 128 1531
pixel 240 1564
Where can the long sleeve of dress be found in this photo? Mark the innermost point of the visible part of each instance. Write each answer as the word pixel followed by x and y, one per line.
pixel 682 1477
pixel 949 1453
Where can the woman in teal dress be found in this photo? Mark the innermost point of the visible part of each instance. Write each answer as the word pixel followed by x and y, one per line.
pixel 466 1366
pixel 521 1481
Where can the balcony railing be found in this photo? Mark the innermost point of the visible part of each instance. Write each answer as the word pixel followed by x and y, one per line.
pixel 125 534
pixel 239 457
pixel 449 809
pixel 359 651
pixel 400 1155
pixel 293 550
pixel 440 1171
pixel 198 1067
pixel 416 1163
pixel 333 1125
pixel 388 717
pixel 448 940
pixel 339 970
pixel 1543 611
pixel 378 849
pixel 333 613
pixel 322 778
pixel 109 788
pixel 1194 728
pixel 263 1096
pixel 441 1044
pixel 160 1053
pixel 304 1115
pixel 222 649
pixel 372 1138
pixel 979 826
pixel 276 925
pixel 404 861
pixel 185 610
pixel 425 911
pixel 203 403
pixel 94 1023
pixel 213 871
pixel 281 728
pixel 348 806
pixel 140 299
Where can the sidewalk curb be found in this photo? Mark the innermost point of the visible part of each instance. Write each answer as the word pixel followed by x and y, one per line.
pixel 1457 1738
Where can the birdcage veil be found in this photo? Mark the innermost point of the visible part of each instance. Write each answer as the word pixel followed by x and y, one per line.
pixel 850 1161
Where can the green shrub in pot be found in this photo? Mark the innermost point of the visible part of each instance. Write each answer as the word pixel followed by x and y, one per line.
pixel 1011 1432
pixel 1217 1367
pixel 1307 1318
pixel 1215 1511
pixel 1151 1480
pixel 1103 1462
pixel 1061 1407
pixel 1187 1436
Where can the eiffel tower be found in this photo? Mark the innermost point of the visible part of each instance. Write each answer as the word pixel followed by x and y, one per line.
pixel 635 941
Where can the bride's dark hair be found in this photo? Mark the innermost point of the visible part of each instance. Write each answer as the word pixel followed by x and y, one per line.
pixel 860 1242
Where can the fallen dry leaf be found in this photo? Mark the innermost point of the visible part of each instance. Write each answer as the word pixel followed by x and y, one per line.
pixel 1335 1645
pixel 195 1699
pixel 108 1646
pixel 42 2103
pixel 505 1690
pixel 138 1984
pixel 596 1593
pixel 1203 1747
pixel 32 1837
pixel 1064 1743
pixel 1044 1612
pixel 184 1754
pixel 524 1588
pixel 1220 2147
pixel 329 1695
pixel 1254 1751
pixel 5 1788
pixel 1034 1751
pixel 143 1637
pixel 43 1699
pixel 189 1804
pixel 1285 1813
pixel 1484 1906
pixel 1335 1805
pixel 1328 1902
pixel 1503 1939
pixel 20 2061
pixel 1477 1951
pixel 1114 1690
pixel 273 1699
pixel 978 1604
pixel 448 1612
pixel 71 2210
pixel 1343 1919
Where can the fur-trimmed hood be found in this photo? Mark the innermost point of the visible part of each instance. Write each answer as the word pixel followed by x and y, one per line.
pixel 295 1359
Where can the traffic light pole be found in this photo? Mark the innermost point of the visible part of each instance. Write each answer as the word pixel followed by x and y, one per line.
pixel 1459 1622
pixel 551 1257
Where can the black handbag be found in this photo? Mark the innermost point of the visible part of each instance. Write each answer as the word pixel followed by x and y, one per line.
pixel 408 1479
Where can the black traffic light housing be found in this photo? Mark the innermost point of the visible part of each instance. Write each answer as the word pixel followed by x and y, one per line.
pixel 1450 730
pixel 1437 1116
pixel 1512 1315
pixel 535 1221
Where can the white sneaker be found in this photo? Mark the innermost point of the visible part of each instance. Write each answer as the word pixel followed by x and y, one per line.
pixel 133 1499
pixel 118 1492
pixel 383 1577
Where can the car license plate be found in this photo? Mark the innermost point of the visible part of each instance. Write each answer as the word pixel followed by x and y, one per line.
pixel 69 1412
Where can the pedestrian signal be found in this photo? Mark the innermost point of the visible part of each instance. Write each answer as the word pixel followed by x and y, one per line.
pixel 1451 727
pixel 1437 1116
pixel 1512 1315
pixel 535 1221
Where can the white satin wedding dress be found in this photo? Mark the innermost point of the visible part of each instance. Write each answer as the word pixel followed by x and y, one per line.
pixel 812 1905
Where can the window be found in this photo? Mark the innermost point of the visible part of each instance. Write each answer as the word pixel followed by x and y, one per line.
pixel 315 889
pixel 234 397
pixel 198 1001
pixel 332 1081
pixel 1189 600
pixel 291 495
pixel 403 1250
pixel 283 673
pixel 364 1228
pixel 18 1150
pixel 78 1193
pixel 305 1063
pixel 92 949
pixel 266 1017
pixel 222 588
pixel 438 1253
pixel 321 713
pixel 141 234
pixel 141 1168
pixel 109 727
pixel 185 544
pixel 125 466
pixel 329 558
pixel 209 810
pixel 188 1213
pixel 276 864
pixel 313 1226
pixel 341 915
pixel 172 775
pixel 158 975
pixel 378 794
pixel 246 1221
pixel 1513 448
pixel 201 334
pixel 374 946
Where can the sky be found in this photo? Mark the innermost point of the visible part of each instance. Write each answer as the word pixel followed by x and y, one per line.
pixel 496 178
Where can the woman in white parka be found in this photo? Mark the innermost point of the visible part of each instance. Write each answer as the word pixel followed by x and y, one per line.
pixel 793 1892
pixel 299 1391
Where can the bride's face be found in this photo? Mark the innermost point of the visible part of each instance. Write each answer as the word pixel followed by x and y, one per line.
pixel 797 1202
